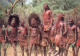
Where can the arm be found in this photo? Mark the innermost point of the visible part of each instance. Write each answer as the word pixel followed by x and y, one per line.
pixel 51 17
pixel 67 32
pixel 43 16
pixel 29 32
pixel 18 31
pixel 65 27
pixel 6 33
pixel 75 33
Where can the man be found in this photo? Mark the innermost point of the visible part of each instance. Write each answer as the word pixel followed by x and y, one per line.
pixel 78 38
pixel 60 34
pixel 61 26
pixel 34 32
pixel 11 31
pixel 2 38
pixel 22 36
pixel 47 17
pixel 71 36
pixel 48 20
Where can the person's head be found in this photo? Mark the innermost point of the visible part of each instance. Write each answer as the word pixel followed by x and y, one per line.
pixel 34 20
pixel 71 21
pixel 61 17
pixel 46 7
pixel 78 24
pixel 13 20
pixel 22 23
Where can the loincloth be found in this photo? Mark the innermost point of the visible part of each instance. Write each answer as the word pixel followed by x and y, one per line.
pixel 34 39
pixel 22 37
pixel 71 39
pixel 23 43
pixel 13 40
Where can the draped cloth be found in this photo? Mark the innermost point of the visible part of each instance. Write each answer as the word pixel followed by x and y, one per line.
pixel 78 42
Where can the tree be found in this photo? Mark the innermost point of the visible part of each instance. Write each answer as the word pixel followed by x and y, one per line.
pixel 64 4
pixel 12 5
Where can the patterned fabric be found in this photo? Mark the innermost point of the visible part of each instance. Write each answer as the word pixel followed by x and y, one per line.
pixel 34 40
pixel 71 39
pixel 13 40
pixel 46 27
pixel 23 43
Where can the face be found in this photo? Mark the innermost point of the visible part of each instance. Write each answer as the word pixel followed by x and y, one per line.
pixel 71 22
pixel 13 22
pixel 46 6
pixel 78 24
pixel 33 22
pixel 62 18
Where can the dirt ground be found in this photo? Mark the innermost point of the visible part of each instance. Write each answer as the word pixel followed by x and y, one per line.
pixel 10 52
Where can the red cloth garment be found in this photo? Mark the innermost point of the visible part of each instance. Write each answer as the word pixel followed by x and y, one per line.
pixel 78 42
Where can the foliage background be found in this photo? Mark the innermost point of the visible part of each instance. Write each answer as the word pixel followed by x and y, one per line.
pixel 71 8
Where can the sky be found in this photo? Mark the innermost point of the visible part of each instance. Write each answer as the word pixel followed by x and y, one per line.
pixel 28 1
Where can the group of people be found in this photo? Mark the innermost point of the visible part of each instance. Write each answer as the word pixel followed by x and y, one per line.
pixel 60 34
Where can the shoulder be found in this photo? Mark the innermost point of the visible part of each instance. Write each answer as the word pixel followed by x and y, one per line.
pixel 43 11
pixel 49 11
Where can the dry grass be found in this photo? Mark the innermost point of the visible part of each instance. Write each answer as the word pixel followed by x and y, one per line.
pixel 10 52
